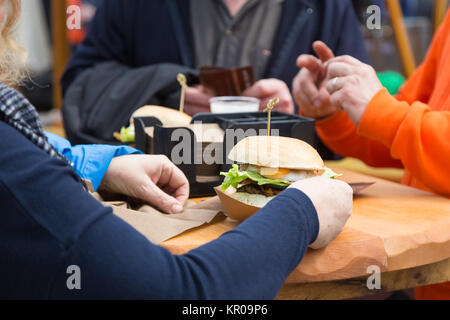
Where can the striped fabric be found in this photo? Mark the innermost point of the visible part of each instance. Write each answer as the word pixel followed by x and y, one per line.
pixel 18 112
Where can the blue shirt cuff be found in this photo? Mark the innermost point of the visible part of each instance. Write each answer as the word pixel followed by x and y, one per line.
pixel 90 161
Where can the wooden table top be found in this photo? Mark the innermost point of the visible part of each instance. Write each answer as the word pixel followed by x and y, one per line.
pixel 392 226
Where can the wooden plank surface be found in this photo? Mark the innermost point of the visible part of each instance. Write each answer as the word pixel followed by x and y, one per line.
pixel 438 272
pixel 392 226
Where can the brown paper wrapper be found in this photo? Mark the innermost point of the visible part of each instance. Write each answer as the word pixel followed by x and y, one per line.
pixel 157 226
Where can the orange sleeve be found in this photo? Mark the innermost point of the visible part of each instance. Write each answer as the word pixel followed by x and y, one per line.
pixel 340 134
pixel 414 134
pixel 407 132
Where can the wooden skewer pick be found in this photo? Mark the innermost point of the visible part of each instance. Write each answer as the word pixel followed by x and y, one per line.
pixel 272 104
pixel 183 83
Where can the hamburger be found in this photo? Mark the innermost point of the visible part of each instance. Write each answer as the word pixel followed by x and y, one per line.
pixel 268 165
pixel 168 117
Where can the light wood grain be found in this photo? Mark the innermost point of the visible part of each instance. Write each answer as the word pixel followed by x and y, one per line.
pixel 393 226
pixel 438 272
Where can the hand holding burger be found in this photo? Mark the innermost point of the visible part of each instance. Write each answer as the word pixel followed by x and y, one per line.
pixel 269 165
pixel 333 200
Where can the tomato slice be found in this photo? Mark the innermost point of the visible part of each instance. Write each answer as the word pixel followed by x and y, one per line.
pixel 245 182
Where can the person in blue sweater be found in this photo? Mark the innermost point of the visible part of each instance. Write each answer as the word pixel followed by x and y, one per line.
pixel 50 224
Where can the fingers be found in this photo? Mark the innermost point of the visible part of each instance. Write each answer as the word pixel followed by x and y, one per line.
pixel 172 180
pixel 196 96
pixel 323 51
pixel 270 88
pixel 344 59
pixel 305 86
pixel 158 198
pixel 339 69
pixel 332 200
pixel 324 95
pixel 312 63
pixel 335 84
pixel 267 88
pixel 309 62
pixel 261 89
pixel 177 184
pixel 192 110
pixel 309 86
pixel 299 95
pixel 338 98
pixel 313 102
pixel 311 92
pixel 165 186
pixel 197 100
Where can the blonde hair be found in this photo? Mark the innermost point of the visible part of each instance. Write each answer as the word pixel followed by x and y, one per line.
pixel 12 55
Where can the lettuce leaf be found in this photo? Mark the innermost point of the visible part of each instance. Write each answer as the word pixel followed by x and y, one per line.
pixel 127 134
pixel 330 174
pixel 234 177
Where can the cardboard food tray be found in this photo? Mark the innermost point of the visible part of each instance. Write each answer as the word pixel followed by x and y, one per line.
pixel 153 138
pixel 240 211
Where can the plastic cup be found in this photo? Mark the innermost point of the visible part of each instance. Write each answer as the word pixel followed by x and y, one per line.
pixel 234 104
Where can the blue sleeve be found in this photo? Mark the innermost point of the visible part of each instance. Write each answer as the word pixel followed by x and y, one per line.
pixel 49 223
pixel 89 161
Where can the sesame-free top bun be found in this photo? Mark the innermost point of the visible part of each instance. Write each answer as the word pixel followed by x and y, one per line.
pixel 168 117
pixel 277 152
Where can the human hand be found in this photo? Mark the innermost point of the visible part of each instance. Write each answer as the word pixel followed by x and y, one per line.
pixel 333 200
pixel 151 178
pixel 352 85
pixel 309 86
pixel 197 100
pixel 267 89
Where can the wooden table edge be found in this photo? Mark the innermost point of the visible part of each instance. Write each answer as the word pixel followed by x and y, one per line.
pixel 433 273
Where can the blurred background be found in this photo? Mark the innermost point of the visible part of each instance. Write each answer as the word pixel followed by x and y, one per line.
pixel 407 27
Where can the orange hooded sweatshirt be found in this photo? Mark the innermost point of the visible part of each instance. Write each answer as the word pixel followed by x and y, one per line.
pixel 410 131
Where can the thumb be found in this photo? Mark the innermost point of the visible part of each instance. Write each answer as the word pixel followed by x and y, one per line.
pixel 158 198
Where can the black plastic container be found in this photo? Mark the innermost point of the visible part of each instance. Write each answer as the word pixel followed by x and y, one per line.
pixel 288 125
